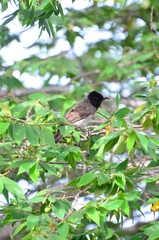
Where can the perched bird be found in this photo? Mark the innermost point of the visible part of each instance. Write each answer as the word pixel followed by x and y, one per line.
pixel 81 114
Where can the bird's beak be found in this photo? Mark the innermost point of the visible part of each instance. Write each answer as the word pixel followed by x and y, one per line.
pixel 106 98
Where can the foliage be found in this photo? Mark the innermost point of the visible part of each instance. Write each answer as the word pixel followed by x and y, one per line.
pixel 89 184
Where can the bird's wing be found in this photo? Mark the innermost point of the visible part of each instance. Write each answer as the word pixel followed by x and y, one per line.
pixel 80 111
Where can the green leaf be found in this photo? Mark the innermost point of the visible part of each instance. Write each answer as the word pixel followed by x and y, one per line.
pixel 103 178
pixel 72 161
pixel 25 165
pixel 7 219
pixel 156 127
pixel 120 146
pixel 120 181
pixel 1 185
pixel 36 199
pixel 60 10
pixel 38 96
pixel 49 137
pixel 33 173
pixel 51 29
pixel 10 18
pixel 32 135
pixel 19 228
pixel 55 20
pixel 50 168
pixel 138 236
pixel 130 141
pixel 56 97
pixel 10 81
pixel 152 231
pixel 93 214
pixel 121 113
pixel 18 132
pixel 104 140
pixel 147 123
pixel 13 188
pixel 4 126
pixel 117 99
pixel 32 221
pixel 122 166
pixel 76 217
pixel 76 136
pixel 59 209
pixel 2 162
pixel 154 100
pixel 63 230
pixel 143 140
pixel 150 179
pixel 113 205
pixel 86 179
pixel 125 207
pixel 52 199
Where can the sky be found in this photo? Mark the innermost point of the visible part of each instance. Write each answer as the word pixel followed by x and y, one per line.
pixel 29 36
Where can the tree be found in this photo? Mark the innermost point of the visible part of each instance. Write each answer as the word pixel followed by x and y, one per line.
pixel 88 185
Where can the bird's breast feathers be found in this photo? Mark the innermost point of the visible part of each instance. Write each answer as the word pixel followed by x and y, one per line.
pixel 83 122
pixel 81 114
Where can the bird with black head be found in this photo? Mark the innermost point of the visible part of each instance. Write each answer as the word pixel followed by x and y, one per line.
pixel 81 114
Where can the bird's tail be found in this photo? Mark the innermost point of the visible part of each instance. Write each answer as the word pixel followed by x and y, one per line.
pixel 58 136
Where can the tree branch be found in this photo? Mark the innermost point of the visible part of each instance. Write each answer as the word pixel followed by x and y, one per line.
pixel 24 92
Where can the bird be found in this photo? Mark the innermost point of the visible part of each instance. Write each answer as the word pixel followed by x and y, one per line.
pixel 81 114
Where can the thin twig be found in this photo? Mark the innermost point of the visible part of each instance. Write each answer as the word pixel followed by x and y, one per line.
pixel 86 74
pixel 76 197
pixel 30 109
pixel 102 115
pixel 145 193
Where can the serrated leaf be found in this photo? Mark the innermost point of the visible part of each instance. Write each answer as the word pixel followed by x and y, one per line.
pixel 86 179
pixel 130 141
pixel 63 230
pixel 18 132
pixel 35 199
pixel 4 126
pixel 32 135
pixel 32 221
pixel 49 137
pixel 76 136
pixel 113 205
pixel 120 181
pixel 93 214
pixel 102 178
pixel 76 217
pixel 122 166
pixel 143 140
pixel 50 168
pixel 125 207
pixel 59 209
pixel 24 165
pixel 152 231
pixel 33 174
